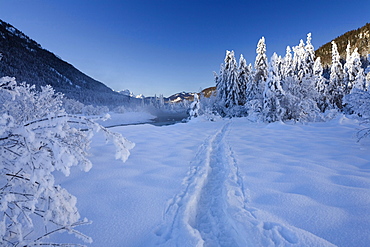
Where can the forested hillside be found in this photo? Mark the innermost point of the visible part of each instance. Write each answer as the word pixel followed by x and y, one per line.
pixel 27 61
pixel 359 38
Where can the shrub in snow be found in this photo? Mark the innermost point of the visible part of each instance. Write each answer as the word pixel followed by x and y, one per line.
pixel 37 138
pixel 90 110
pixel 72 106
pixel 359 102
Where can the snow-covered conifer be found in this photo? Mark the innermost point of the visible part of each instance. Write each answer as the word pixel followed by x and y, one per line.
pixel 273 91
pixel 260 67
pixel 335 90
pixel 299 61
pixel 243 79
pixel 320 85
pixel 347 85
pixel 318 73
pixel 194 107
pixel 255 88
pixel 356 76
pixel 287 68
pixel 234 93
pixel 309 57
pixel 228 91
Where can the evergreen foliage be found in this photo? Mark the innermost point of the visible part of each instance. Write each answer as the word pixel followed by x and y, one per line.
pixel 357 38
pixel 335 89
pixel 294 87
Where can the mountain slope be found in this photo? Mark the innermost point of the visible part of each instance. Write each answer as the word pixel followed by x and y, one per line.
pixel 359 38
pixel 28 62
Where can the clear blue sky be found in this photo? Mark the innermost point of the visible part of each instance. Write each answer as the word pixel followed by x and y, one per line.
pixel 168 46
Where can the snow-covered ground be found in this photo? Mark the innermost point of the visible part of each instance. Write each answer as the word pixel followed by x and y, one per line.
pixel 228 183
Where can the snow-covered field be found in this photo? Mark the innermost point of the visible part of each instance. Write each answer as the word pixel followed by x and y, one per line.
pixel 228 183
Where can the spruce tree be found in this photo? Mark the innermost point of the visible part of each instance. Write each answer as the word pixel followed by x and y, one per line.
pixel 228 91
pixel 273 91
pixel 287 69
pixel 347 85
pixel 320 85
pixel 299 61
pixel 356 74
pixel 309 57
pixel 335 87
pixel 261 67
pixel 243 79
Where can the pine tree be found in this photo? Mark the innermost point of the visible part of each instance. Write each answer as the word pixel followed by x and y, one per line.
pixel 243 79
pixel 233 91
pixel 261 68
pixel 287 69
pixel 273 91
pixel 356 76
pixel 335 88
pixel 299 61
pixel 320 85
pixel 347 85
pixel 228 91
pixel 309 57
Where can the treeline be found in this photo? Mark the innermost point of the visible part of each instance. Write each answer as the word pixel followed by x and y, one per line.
pixel 292 87
pixel 357 38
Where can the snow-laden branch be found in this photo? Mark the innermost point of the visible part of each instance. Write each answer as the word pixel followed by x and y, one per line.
pixel 37 137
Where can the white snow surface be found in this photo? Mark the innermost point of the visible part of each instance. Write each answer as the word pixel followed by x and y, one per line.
pixel 228 183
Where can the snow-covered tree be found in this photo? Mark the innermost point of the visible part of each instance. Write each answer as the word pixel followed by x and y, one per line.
pixel 318 73
pixel 194 107
pixel 261 69
pixel 356 76
pixel 37 138
pixel 335 89
pixel 309 57
pixel 346 67
pixel 287 67
pixel 273 91
pixel 244 77
pixel 320 85
pixel 233 91
pixel 228 91
pixel 256 87
pixel 299 61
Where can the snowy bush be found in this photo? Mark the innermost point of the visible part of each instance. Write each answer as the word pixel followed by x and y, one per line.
pixel 72 106
pixel 358 101
pixel 37 138
pixel 90 110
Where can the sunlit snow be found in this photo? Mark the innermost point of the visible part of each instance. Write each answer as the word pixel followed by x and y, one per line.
pixel 228 183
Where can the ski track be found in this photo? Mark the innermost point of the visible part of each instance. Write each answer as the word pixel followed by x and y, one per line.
pixel 212 209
